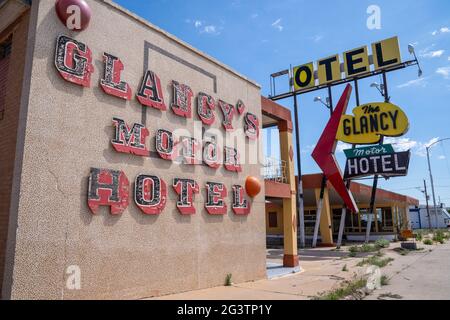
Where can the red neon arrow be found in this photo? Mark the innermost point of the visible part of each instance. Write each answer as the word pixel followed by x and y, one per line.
pixel 323 153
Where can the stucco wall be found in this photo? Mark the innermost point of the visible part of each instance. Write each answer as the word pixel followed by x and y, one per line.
pixel 69 129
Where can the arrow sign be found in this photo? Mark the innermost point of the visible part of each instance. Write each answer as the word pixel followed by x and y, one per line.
pixel 324 151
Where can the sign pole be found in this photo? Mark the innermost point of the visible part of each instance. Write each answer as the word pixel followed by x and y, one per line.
pixel 323 185
pixel 344 208
pixel 375 180
pixel 300 198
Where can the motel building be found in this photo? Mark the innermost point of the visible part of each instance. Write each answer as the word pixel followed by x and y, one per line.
pixel 131 163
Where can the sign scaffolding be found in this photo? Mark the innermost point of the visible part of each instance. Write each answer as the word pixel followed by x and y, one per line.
pixel 385 118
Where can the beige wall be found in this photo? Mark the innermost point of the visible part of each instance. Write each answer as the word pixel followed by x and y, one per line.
pixel 69 129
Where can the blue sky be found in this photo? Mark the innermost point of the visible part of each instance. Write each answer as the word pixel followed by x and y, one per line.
pixel 257 38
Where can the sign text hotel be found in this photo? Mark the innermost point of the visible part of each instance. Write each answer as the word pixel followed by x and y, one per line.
pixel 107 187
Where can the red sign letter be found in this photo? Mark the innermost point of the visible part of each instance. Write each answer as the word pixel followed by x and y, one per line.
pixel 228 113
pixel 111 83
pixel 182 100
pixel 205 105
pixel 130 141
pixel 251 126
pixel 73 60
pixel 150 93
pixel 211 155
pixel 231 161
pixel 150 194
pixel 215 192
pixel 108 188
pixel 240 205
pixel 185 188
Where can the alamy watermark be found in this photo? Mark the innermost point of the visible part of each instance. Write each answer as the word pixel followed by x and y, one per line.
pixel 73 21
pixel 73 281
pixel 374 19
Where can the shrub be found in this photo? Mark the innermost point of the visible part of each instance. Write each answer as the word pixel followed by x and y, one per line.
pixel 344 268
pixel 419 236
pixel 353 249
pixel 382 243
pixel 347 289
pixel 428 242
pixel 375 261
pixel 228 281
pixel 438 236
pixel 384 280
pixel 368 247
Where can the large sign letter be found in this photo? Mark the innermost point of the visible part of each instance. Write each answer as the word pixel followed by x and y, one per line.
pixel 251 126
pixel 228 113
pixel 130 141
pixel 164 144
pixel 231 161
pixel 108 188
pixel 182 100
pixel 111 82
pixel 150 194
pixel 150 93
pixel 215 192
pixel 205 107
pixel 185 188
pixel 240 205
pixel 211 155
pixel 73 60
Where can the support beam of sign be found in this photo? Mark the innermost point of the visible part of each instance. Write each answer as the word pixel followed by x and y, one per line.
pixel 375 180
pixel 300 198
pixel 324 156
pixel 348 184
pixel 323 185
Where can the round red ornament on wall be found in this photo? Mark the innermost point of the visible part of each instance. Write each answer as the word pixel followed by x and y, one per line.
pixel 74 14
pixel 252 186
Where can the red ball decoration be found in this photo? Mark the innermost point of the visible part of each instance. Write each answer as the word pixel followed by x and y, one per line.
pixel 74 14
pixel 252 186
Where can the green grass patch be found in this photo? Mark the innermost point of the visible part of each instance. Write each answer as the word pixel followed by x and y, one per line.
pixel 428 242
pixel 347 289
pixel 375 261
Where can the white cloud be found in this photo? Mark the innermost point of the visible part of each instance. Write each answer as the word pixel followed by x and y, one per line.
pixel 308 149
pixel 202 27
pixel 277 25
pixel 211 29
pixel 444 71
pixel 441 31
pixel 421 82
pixel 341 146
pixel 401 144
pixel 433 54
pixel 442 158
pixel 317 38
pixel 405 144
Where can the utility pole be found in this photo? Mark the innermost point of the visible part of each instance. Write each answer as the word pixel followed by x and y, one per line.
pixel 428 208
pixel 432 186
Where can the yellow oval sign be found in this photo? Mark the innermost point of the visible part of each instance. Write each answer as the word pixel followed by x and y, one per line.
pixel 371 121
